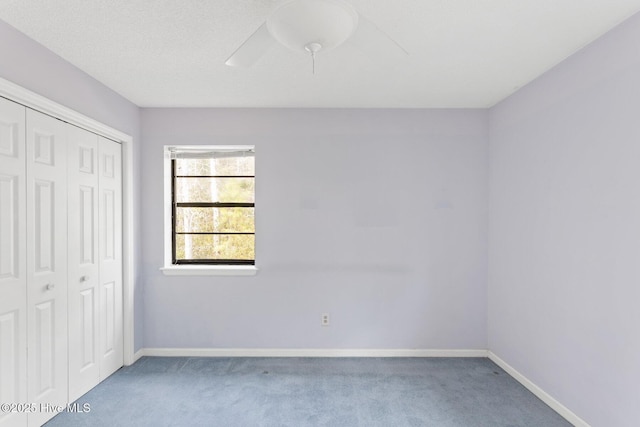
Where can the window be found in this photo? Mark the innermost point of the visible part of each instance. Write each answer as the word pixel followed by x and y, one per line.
pixel 212 206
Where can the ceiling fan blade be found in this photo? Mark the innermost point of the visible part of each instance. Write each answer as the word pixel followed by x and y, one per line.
pixel 374 42
pixel 252 49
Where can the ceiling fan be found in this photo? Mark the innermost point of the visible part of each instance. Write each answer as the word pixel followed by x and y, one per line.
pixel 312 26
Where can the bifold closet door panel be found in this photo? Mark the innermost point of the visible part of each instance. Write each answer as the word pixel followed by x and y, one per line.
pixel 13 275
pixel 110 213
pixel 83 262
pixel 46 153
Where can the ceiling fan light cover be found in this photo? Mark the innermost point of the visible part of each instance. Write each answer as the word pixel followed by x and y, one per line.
pixel 301 22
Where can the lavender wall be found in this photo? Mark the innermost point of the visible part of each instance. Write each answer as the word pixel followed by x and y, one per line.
pixel 32 66
pixel 377 217
pixel 564 263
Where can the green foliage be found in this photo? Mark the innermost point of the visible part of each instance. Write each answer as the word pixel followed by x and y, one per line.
pixel 222 220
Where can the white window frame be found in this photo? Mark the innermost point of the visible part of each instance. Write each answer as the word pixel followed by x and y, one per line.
pixel 170 269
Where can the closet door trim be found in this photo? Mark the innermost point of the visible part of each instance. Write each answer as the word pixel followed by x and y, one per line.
pixel 32 100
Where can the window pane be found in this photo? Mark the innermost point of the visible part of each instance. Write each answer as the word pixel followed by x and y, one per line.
pixel 224 166
pixel 239 190
pixel 207 220
pixel 214 247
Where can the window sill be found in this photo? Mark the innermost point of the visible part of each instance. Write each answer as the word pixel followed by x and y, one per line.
pixel 210 270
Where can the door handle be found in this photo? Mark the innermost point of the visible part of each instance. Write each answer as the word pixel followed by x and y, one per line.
pixel 50 286
pixel 84 278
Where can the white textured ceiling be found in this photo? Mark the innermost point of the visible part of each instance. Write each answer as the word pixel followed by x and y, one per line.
pixel 171 53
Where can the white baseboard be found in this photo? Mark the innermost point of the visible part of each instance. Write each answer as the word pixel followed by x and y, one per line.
pixel 138 354
pixel 303 352
pixel 540 393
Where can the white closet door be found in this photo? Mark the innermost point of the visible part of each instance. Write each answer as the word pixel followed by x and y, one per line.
pixel 84 274
pixel 110 213
pixel 13 277
pixel 46 154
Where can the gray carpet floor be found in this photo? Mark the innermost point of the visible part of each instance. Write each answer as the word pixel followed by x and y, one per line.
pixel 228 392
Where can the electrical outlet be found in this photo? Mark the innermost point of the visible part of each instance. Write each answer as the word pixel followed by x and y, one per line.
pixel 324 319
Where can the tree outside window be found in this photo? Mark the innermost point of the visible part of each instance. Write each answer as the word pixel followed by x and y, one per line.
pixel 214 208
